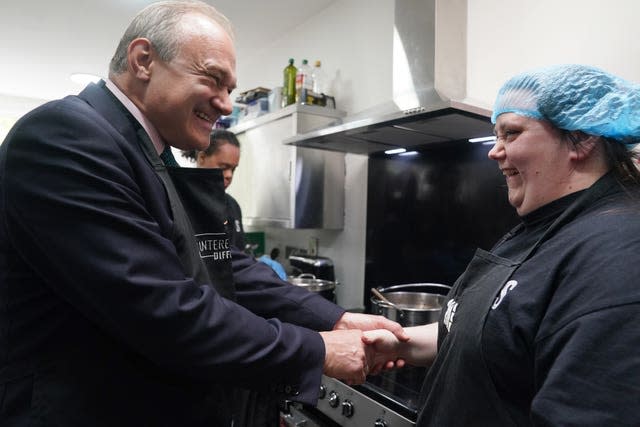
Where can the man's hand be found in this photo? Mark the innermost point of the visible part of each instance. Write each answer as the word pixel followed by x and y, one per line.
pixel 347 358
pixel 369 322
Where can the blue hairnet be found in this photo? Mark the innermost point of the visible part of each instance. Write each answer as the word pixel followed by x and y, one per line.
pixel 575 97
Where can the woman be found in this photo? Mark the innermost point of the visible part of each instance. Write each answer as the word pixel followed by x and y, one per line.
pixel 543 330
pixel 223 153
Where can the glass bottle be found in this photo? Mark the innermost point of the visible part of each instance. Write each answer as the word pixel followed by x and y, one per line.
pixel 289 84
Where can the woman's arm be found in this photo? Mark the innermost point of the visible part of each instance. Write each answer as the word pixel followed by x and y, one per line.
pixel 419 350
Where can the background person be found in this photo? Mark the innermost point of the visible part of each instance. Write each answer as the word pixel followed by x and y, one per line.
pixel 272 261
pixel 109 316
pixel 223 153
pixel 254 408
pixel 543 330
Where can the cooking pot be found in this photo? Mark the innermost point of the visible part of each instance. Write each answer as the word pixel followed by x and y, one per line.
pixel 413 304
pixel 326 288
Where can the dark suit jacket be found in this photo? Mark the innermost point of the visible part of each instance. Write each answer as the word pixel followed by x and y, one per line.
pixel 235 221
pixel 99 325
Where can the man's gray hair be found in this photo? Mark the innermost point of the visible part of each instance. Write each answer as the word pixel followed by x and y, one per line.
pixel 160 24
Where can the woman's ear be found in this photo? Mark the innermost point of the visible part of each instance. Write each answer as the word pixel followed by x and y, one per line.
pixel 139 57
pixel 582 144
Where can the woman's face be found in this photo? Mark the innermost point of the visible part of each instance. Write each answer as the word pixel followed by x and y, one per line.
pixel 535 160
pixel 227 158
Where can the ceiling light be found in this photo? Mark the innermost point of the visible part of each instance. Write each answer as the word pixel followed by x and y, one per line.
pixel 408 153
pixel 395 151
pixel 84 79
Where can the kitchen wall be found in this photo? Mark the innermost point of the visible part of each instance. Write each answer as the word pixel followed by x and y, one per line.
pixel 506 36
pixel 353 39
pixel 503 37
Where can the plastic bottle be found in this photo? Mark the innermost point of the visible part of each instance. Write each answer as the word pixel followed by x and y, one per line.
pixel 304 83
pixel 289 84
pixel 319 84
pixel 319 79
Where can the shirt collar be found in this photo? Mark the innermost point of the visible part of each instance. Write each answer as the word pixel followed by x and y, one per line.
pixel 155 137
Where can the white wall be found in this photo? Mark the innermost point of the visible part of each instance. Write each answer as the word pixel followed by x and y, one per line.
pixel 352 38
pixel 509 36
pixel 12 108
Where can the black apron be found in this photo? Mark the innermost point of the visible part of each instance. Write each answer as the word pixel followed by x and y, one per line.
pixel 458 389
pixel 202 216
pixel 199 210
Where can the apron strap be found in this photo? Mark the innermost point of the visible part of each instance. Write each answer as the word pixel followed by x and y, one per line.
pixel 183 235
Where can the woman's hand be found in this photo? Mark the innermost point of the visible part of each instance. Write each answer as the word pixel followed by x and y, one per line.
pixel 419 350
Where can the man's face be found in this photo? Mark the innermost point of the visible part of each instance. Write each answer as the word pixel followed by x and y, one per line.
pixel 185 96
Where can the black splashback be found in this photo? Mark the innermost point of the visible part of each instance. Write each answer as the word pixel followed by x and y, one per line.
pixel 427 214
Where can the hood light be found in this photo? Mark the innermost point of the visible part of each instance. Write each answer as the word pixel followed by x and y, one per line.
pixel 485 139
pixel 395 151
pixel 408 153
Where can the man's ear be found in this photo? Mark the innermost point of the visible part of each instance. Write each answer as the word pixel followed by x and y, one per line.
pixel 140 57
pixel 582 144
pixel 200 157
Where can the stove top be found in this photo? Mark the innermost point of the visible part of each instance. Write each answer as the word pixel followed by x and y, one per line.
pixel 398 389
pixel 388 399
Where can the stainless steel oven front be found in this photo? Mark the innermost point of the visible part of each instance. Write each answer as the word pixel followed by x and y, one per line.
pixel 372 404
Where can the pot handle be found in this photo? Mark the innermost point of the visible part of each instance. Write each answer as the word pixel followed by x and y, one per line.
pixel 307 276
pixel 384 300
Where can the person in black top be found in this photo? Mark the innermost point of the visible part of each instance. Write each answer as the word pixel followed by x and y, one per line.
pixel 543 330
pixel 223 153
pixel 253 409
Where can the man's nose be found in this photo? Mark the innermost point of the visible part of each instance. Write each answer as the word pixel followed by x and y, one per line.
pixel 222 103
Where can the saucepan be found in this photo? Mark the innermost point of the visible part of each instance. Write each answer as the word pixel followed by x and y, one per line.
pixel 326 288
pixel 411 304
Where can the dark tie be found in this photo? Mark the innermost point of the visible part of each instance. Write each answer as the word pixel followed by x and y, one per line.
pixel 167 157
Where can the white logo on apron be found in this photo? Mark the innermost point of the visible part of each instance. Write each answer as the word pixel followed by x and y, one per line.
pixel 452 305
pixel 506 288
pixel 213 245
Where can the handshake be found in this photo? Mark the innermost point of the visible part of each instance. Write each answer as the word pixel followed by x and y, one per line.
pixel 364 344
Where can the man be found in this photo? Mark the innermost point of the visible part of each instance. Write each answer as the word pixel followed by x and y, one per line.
pixel 106 317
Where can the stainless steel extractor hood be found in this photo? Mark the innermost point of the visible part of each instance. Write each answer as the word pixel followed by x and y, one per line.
pixel 447 121
pixel 417 114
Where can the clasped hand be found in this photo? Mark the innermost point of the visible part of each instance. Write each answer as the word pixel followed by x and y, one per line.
pixel 351 356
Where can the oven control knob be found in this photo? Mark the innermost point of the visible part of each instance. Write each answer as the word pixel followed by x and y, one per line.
pixel 347 408
pixel 323 392
pixel 380 423
pixel 334 400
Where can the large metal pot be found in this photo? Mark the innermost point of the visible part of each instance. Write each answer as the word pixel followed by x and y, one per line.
pixel 413 304
pixel 326 288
